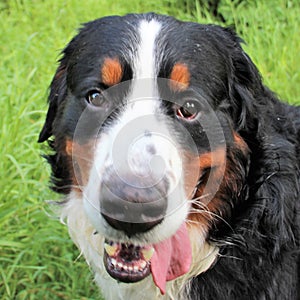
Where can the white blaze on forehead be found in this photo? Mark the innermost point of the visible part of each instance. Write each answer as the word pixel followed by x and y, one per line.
pixel 142 102
pixel 144 87
pixel 144 66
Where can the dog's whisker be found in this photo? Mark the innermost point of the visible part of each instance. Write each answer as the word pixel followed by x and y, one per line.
pixel 213 216
pixel 200 197
pixel 83 158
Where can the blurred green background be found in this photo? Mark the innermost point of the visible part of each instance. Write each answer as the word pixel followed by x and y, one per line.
pixel 37 258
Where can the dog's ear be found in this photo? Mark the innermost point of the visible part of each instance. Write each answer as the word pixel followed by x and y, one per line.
pixel 245 86
pixel 58 90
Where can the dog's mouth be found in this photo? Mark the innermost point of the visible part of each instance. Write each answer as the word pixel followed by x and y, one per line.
pixel 166 260
pixel 127 262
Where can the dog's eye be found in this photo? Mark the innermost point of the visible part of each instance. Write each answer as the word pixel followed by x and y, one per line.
pixel 189 110
pixel 95 98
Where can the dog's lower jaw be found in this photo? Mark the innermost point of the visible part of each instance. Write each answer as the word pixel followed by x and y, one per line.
pixel 91 247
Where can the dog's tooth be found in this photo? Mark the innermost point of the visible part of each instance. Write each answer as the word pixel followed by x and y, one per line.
pixel 143 265
pixel 110 249
pixel 135 268
pixel 120 265
pixel 114 262
pixel 130 268
pixel 148 253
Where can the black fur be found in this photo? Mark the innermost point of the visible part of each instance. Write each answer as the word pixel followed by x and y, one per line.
pixel 260 250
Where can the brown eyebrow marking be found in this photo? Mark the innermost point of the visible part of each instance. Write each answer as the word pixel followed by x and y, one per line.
pixel 111 71
pixel 180 77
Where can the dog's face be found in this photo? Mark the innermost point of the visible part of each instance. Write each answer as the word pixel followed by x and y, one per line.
pixel 145 112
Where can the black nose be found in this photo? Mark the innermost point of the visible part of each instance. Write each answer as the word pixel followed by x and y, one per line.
pixel 133 208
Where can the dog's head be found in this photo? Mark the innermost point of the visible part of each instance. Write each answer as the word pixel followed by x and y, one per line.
pixel 146 114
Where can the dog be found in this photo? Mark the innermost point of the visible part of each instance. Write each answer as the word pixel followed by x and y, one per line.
pixel 179 167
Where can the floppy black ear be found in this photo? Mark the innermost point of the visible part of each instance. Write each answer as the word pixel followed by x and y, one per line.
pixel 58 90
pixel 245 86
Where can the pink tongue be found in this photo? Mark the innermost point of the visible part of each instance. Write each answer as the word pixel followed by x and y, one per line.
pixel 172 258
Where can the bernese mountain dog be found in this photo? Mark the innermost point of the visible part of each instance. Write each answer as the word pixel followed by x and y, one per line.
pixel 180 168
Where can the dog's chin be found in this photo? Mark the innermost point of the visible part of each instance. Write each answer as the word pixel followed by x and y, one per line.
pixel 127 262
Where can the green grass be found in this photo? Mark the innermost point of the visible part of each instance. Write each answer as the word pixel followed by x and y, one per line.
pixel 37 258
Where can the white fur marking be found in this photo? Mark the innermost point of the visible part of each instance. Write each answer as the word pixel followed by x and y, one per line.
pixel 144 90
pixel 145 62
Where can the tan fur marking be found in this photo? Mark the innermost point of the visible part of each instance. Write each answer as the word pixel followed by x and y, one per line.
pixel 111 72
pixel 206 198
pixel 240 143
pixel 180 77
pixel 81 157
pixel 223 175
